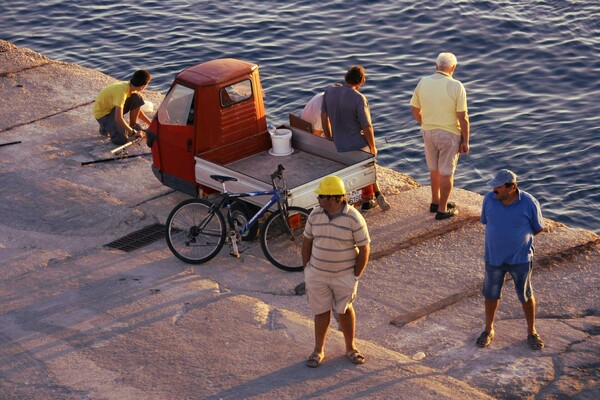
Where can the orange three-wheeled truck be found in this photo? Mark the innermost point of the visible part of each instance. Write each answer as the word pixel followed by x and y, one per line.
pixel 213 122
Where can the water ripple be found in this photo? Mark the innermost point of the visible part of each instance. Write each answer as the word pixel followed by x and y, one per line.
pixel 531 70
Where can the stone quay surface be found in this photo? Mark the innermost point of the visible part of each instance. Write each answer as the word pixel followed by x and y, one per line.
pixel 79 320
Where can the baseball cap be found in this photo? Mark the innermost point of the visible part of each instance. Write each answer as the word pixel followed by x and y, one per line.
pixel 503 176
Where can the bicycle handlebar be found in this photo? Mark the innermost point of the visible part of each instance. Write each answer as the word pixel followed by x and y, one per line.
pixel 278 173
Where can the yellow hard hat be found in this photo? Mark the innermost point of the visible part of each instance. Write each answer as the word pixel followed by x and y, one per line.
pixel 331 186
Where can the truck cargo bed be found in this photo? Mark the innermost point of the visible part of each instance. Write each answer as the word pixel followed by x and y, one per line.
pixel 313 158
pixel 300 167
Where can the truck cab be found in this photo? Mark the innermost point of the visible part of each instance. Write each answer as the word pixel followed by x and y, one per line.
pixel 214 110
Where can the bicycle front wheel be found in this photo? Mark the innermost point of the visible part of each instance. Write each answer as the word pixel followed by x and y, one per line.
pixel 195 231
pixel 281 238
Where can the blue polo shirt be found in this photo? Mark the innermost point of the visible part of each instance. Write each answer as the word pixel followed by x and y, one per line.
pixel 509 229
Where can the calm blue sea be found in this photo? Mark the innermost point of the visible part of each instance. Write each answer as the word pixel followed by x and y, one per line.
pixel 531 70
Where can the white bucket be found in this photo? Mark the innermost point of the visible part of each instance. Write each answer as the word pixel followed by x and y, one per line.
pixel 148 106
pixel 282 143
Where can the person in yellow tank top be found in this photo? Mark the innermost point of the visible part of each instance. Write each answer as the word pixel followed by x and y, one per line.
pixel 118 99
pixel 439 105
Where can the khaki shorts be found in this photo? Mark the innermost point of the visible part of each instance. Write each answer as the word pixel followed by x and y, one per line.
pixel 441 151
pixel 327 292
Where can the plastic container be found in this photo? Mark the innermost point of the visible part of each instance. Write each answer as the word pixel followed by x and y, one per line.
pixel 282 142
pixel 148 106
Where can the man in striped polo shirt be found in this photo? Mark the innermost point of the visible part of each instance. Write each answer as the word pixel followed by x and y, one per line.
pixel 335 253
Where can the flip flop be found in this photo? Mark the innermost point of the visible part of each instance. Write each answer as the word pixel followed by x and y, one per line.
pixel 314 360
pixel 355 356
pixel 484 339
pixel 535 341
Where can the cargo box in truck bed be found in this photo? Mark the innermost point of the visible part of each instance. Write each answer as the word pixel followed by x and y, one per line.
pixel 313 158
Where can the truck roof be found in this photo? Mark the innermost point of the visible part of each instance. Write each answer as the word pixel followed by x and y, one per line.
pixel 216 71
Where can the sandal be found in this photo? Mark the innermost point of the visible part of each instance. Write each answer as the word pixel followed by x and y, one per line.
pixel 314 360
pixel 355 356
pixel 484 339
pixel 535 341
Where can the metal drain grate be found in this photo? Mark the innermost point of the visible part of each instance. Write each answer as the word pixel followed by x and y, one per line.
pixel 139 239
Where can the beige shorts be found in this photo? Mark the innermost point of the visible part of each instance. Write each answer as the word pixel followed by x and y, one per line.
pixel 441 151
pixel 325 292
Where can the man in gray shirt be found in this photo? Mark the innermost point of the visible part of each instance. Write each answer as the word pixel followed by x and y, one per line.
pixel 346 119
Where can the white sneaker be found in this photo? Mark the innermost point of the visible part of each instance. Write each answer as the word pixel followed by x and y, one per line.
pixel 384 205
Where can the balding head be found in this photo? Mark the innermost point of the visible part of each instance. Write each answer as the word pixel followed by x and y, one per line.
pixel 446 62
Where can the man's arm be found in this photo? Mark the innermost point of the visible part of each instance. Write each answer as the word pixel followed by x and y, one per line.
pixel 306 250
pixel 362 259
pixel 416 113
pixel 144 117
pixel 121 121
pixel 463 120
pixel 326 125
pixel 369 134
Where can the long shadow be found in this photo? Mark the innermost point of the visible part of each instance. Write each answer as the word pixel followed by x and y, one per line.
pixel 97 296
pixel 345 375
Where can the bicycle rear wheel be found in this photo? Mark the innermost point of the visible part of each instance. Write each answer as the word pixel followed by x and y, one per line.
pixel 282 249
pixel 195 231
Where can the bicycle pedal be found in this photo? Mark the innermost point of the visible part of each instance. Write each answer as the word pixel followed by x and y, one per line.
pixel 236 255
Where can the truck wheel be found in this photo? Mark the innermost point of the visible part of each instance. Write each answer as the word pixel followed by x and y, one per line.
pixel 282 249
pixel 241 213
pixel 195 231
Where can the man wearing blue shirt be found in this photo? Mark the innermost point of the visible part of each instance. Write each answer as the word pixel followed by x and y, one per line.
pixel 511 218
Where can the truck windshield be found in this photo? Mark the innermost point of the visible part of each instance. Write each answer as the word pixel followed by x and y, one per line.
pixel 178 107
pixel 236 93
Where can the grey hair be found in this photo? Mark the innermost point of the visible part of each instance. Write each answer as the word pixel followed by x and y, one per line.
pixel 445 61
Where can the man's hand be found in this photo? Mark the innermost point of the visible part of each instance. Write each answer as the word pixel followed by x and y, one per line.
pixel 464 148
pixel 138 133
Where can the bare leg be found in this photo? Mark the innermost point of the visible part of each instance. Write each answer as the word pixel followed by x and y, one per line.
pixel 490 314
pixel 376 187
pixel 348 324
pixel 321 328
pixel 529 309
pixel 434 177
pixel 446 185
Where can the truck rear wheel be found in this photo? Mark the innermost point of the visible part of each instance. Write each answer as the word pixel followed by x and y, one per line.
pixel 282 236
pixel 241 213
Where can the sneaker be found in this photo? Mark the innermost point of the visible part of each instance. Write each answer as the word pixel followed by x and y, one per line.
pixel 368 205
pixel 434 207
pixel 382 203
pixel 102 131
pixel 451 213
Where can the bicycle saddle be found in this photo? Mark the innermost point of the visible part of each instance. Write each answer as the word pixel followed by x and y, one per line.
pixel 223 178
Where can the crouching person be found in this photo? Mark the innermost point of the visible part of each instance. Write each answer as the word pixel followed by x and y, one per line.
pixel 118 99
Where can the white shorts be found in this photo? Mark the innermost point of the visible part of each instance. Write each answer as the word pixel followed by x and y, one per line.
pixel 441 151
pixel 327 292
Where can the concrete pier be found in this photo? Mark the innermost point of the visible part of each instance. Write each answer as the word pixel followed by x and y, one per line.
pixel 79 320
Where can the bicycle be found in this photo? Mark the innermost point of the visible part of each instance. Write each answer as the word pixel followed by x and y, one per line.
pixel 196 229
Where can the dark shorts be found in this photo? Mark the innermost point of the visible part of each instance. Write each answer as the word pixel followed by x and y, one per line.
pixel 494 280
pixel 117 134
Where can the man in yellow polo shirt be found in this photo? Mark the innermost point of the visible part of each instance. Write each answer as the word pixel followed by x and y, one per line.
pixel 439 104
pixel 118 99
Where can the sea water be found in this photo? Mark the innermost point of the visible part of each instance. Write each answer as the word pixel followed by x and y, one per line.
pixel 531 70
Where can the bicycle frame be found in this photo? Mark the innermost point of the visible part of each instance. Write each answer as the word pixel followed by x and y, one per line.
pixel 276 196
